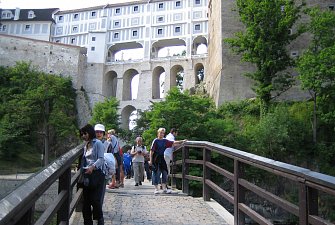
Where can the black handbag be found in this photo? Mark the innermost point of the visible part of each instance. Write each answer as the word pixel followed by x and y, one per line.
pixel 93 180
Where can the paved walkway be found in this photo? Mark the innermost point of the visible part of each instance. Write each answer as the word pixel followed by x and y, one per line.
pixel 139 205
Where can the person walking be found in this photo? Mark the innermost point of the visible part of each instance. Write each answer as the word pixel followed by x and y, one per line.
pixel 127 164
pixel 168 153
pixel 115 149
pixel 138 152
pixel 92 165
pixel 157 161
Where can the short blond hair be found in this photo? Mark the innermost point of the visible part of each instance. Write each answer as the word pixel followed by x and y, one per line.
pixel 161 129
pixel 111 131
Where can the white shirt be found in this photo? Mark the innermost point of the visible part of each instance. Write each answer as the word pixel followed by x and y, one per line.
pixel 139 157
pixel 168 151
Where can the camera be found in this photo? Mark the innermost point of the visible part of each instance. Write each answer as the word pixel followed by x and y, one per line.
pixel 139 151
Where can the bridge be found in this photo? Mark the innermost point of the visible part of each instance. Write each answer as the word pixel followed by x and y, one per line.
pixel 236 178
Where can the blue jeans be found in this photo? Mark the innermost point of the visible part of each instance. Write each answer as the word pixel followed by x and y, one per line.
pixel 156 174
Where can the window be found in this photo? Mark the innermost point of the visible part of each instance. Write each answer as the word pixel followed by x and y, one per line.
pixel 57 41
pixel 31 14
pixel 135 9
pixel 197 2
pixel 93 14
pixel 74 29
pixel 290 31
pixel 178 3
pixel 3 28
pixel 76 16
pixel 92 49
pixel 60 18
pixel 161 6
pixel 294 54
pixel 116 23
pixel 117 10
pixel 135 33
pixel 197 27
pixel 27 27
pixel 177 29
pixel 160 31
pixel 116 35
pixel 331 7
pixel 160 19
pixel 93 38
pixel 73 40
pixel 6 15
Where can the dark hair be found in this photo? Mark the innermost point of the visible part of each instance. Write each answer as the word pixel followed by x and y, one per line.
pixel 173 130
pixel 88 129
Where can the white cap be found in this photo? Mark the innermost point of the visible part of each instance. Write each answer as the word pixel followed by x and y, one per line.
pixel 99 127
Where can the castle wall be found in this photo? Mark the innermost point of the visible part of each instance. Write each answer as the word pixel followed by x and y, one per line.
pixel 53 58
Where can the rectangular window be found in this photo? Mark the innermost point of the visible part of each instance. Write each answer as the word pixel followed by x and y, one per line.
pixel 116 35
pixel 331 7
pixel 160 19
pixel 117 10
pixel 161 6
pixel 60 18
pixel 93 38
pixel 27 27
pixel 177 29
pixel 160 31
pixel 197 2
pixel 73 40
pixel 135 9
pixel 294 54
pixel 93 14
pixel 178 3
pixel 3 28
pixel 116 23
pixel 75 29
pixel 197 27
pixel 135 33
pixel 92 49
pixel 76 16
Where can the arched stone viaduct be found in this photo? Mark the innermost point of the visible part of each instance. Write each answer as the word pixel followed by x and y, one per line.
pixel 117 80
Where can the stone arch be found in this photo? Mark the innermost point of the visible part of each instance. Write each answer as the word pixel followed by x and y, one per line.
pixel 158 45
pixel 199 73
pixel 173 75
pixel 197 42
pixel 156 87
pixel 114 49
pixel 110 84
pixel 127 80
pixel 125 116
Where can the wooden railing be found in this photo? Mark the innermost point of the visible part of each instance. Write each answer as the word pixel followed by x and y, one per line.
pixel 19 206
pixel 309 184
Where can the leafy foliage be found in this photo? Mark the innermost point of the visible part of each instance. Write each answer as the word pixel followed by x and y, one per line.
pixel 106 113
pixel 30 101
pixel 264 43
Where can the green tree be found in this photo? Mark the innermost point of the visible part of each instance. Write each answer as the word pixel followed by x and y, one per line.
pixel 264 43
pixel 188 113
pixel 37 109
pixel 106 113
pixel 317 65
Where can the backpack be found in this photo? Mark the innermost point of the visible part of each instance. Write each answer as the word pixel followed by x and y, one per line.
pixel 109 168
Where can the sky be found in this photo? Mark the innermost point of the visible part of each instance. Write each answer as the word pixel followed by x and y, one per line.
pixel 62 4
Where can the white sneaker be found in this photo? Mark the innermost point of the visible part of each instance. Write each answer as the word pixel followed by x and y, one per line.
pixel 167 191
pixel 156 191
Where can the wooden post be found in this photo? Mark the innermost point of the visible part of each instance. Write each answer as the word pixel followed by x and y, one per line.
pixel 63 214
pixel 312 199
pixel 239 193
pixel 303 211
pixel 28 217
pixel 206 174
pixel 185 168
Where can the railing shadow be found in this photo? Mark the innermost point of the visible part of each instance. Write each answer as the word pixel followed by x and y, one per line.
pixel 18 207
pixel 308 184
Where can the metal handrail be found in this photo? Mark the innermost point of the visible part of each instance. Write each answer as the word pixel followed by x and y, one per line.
pixel 309 183
pixel 18 207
